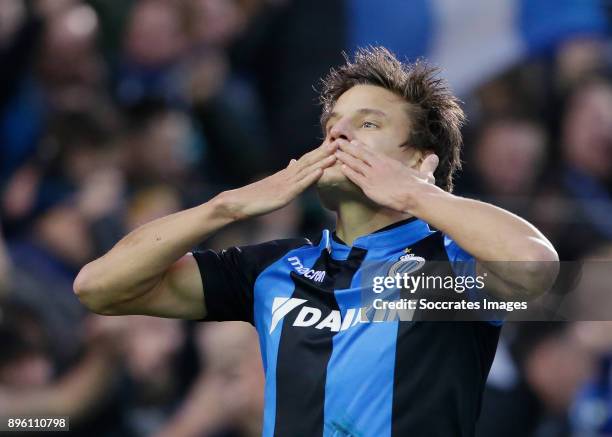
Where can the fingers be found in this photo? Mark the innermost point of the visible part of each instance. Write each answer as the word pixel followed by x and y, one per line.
pixel 355 164
pixel 314 161
pixel 354 176
pixel 429 164
pixel 321 164
pixel 357 150
pixel 327 162
pixel 316 155
pixel 307 180
pixel 309 176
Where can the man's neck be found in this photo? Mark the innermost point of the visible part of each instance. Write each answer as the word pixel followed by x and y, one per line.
pixel 354 219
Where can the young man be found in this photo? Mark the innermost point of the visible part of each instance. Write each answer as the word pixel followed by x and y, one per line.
pixel 392 143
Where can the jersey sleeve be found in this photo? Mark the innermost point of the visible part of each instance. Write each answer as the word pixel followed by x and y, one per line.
pixel 228 277
pixel 464 264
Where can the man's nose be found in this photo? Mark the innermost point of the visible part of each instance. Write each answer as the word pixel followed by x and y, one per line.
pixel 341 130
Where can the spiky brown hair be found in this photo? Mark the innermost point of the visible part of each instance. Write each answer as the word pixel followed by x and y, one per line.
pixel 435 115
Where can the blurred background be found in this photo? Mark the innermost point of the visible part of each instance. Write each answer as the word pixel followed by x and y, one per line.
pixel 113 113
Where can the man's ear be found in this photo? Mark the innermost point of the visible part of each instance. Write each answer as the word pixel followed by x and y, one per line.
pixel 417 158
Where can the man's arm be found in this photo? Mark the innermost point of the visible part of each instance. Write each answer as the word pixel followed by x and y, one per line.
pixel 148 272
pixel 520 261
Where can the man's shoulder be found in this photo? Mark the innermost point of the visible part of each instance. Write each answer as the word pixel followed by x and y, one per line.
pixel 278 245
pixel 262 254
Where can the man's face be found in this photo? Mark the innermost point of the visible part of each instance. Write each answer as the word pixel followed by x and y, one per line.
pixel 374 116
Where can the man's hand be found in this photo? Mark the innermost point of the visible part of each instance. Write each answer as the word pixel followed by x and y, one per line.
pixel 386 181
pixel 476 226
pixel 279 189
pixel 149 271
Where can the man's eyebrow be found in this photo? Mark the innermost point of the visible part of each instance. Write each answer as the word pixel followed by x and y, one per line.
pixel 372 111
pixel 363 111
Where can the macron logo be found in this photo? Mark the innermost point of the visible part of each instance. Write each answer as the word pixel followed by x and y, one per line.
pixel 314 275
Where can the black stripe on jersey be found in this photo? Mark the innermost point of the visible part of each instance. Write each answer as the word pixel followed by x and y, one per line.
pixel 304 352
pixel 228 276
pixel 445 364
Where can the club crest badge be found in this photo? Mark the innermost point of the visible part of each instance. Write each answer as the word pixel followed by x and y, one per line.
pixel 406 264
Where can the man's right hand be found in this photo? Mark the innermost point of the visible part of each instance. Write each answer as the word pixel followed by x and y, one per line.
pixel 148 272
pixel 279 189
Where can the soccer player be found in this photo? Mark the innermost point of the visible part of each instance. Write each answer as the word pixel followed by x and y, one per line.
pixel 385 168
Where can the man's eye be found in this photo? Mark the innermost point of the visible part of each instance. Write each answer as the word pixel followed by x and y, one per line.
pixel 368 125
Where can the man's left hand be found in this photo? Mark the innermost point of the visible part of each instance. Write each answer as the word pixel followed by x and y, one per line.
pixel 385 180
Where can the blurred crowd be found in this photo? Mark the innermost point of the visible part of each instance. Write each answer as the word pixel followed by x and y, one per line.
pixel 114 113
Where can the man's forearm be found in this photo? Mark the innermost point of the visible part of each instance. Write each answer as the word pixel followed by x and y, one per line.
pixel 137 262
pixel 150 259
pixel 505 244
pixel 487 232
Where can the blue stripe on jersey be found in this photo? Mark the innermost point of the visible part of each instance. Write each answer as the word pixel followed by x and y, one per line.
pixel 364 355
pixel 339 251
pixel 464 264
pixel 382 244
pixel 276 277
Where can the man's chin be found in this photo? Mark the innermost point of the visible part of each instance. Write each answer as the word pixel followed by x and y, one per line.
pixel 332 176
pixel 334 187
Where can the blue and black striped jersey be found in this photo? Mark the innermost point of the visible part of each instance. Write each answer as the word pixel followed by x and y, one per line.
pixel 329 371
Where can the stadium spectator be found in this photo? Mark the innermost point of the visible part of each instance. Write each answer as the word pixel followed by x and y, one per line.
pixel 155 40
pixel 574 203
pixel 227 398
pixel 509 159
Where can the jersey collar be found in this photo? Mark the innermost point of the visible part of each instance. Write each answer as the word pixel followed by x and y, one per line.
pixel 394 237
